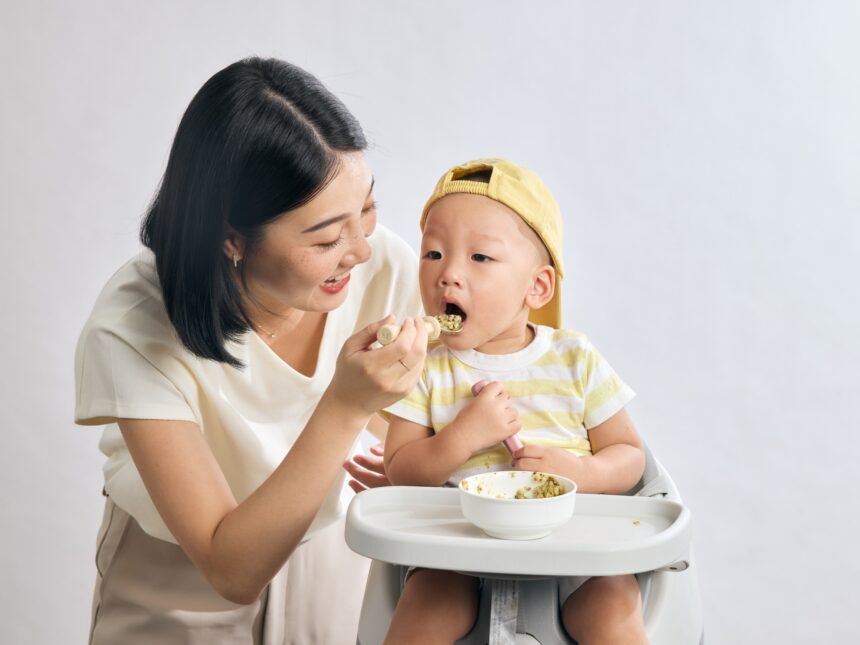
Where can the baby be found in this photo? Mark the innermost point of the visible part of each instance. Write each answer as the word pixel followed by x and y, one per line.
pixel 491 253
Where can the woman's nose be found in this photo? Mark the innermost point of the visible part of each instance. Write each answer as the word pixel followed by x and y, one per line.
pixel 359 251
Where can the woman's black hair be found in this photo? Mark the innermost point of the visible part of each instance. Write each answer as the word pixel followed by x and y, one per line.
pixel 261 137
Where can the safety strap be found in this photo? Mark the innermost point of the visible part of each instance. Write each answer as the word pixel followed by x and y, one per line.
pixel 504 606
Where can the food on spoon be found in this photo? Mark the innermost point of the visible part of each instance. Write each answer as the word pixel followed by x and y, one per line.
pixel 450 322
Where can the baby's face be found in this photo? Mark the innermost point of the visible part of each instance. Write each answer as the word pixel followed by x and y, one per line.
pixel 478 260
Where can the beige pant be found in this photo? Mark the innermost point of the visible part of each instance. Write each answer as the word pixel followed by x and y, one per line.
pixel 149 593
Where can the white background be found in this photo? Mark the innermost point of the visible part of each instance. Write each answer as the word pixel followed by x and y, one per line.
pixel 706 158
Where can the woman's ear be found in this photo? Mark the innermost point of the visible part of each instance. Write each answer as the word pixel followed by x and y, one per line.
pixel 542 288
pixel 234 247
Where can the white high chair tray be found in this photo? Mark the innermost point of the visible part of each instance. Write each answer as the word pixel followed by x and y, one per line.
pixel 607 535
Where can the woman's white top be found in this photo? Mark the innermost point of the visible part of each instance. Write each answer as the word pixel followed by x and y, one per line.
pixel 130 364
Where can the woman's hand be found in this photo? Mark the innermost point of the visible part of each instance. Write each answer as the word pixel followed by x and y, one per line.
pixel 367 471
pixel 368 379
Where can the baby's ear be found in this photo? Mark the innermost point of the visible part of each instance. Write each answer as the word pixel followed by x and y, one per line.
pixel 542 287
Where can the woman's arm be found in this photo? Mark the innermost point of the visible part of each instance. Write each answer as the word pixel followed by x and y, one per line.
pixel 239 547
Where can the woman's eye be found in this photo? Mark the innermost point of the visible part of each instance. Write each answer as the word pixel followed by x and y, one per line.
pixel 331 245
pixel 433 255
pixel 480 257
pixel 370 207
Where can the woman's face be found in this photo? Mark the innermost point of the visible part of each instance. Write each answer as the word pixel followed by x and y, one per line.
pixel 305 257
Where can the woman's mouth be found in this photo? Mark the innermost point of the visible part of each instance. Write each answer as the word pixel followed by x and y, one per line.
pixel 335 283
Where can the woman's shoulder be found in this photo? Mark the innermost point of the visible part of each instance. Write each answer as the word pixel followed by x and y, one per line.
pixel 128 359
pixel 130 305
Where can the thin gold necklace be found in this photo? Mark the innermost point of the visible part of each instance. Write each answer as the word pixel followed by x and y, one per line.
pixel 273 334
pixel 270 334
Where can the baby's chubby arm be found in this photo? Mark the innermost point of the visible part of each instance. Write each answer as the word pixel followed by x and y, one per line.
pixel 615 465
pixel 415 456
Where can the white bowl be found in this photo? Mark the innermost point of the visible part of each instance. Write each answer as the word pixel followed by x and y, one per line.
pixel 487 501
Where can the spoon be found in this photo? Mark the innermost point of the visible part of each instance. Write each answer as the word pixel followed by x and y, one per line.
pixel 435 326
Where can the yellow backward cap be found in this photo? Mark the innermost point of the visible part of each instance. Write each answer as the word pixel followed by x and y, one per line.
pixel 521 190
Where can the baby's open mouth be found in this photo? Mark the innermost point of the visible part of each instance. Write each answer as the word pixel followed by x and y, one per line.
pixel 454 310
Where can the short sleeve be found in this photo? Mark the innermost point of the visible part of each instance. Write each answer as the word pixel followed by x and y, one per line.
pixel 414 407
pixel 603 391
pixel 114 381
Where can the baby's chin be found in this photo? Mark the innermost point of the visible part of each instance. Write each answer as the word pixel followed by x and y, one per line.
pixel 460 342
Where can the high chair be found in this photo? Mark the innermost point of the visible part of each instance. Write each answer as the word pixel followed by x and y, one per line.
pixel 415 526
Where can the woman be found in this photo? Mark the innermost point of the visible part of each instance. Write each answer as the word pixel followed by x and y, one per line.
pixel 232 362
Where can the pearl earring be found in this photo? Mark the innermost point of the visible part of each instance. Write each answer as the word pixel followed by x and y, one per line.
pixel 235 262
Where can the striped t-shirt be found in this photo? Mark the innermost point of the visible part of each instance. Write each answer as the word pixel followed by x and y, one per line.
pixel 559 384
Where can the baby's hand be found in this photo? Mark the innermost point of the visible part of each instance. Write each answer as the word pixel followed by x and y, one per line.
pixel 488 419
pixel 555 461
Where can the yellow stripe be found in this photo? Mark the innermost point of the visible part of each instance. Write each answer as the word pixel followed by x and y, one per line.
pixel 449 396
pixel 485 460
pixel 578 445
pixel 550 418
pixel 415 406
pixel 603 393
pixel 445 364
pixel 558 334
pixel 500 455
pixel 517 389
pixel 568 358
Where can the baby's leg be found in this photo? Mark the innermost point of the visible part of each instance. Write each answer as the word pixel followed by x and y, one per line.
pixel 435 607
pixel 606 610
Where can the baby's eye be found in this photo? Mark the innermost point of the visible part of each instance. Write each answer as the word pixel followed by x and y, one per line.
pixel 433 255
pixel 480 257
